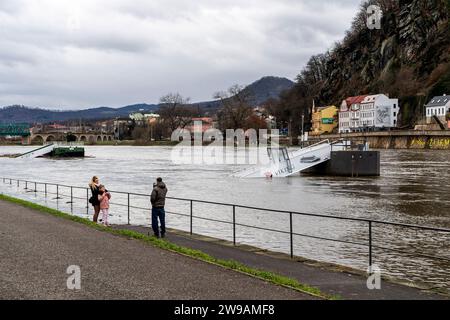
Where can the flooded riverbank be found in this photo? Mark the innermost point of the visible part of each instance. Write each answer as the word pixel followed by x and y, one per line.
pixel 413 188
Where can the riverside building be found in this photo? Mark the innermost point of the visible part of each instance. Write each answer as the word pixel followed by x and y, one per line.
pixel 368 113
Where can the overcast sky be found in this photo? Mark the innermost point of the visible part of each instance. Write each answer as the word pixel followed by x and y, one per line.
pixel 65 54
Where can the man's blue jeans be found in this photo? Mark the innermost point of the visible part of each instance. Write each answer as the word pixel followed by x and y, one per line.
pixel 161 214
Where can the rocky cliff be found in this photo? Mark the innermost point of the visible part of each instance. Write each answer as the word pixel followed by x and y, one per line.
pixel 409 58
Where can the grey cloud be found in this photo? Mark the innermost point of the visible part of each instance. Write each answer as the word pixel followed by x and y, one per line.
pixel 110 43
pixel 116 52
pixel 171 10
pixel 10 6
pixel 12 59
pixel 57 38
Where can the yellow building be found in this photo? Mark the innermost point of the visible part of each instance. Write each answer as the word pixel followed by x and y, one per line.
pixel 324 120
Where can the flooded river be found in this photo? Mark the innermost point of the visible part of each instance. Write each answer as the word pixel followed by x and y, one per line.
pixel 414 188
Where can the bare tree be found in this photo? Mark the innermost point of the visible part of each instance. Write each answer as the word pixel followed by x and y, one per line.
pixel 236 108
pixel 141 134
pixel 176 112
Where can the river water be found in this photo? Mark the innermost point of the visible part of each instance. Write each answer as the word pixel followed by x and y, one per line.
pixel 414 188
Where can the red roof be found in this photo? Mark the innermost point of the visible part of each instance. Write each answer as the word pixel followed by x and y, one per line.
pixel 352 100
pixel 204 119
pixel 57 126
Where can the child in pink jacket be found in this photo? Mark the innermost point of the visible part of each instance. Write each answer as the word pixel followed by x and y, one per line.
pixel 104 197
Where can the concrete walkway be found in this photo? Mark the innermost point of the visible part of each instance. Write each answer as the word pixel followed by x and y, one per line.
pixel 36 250
pixel 345 284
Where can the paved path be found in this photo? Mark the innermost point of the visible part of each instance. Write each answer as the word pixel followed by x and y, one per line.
pixel 348 286
pixel 36 249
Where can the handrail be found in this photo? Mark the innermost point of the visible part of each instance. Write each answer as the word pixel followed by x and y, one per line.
pixel 66 144
pixel 369 222
pixel 34 150
pixel 314 145
pixel 316 215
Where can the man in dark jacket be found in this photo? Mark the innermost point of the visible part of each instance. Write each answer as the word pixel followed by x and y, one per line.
pixel 158 200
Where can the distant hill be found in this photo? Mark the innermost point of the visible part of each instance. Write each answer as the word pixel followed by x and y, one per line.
pixel 261 91
pixel 268 88
pixel 22 114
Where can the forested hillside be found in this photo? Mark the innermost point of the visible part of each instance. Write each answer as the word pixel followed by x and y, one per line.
pixel 408 58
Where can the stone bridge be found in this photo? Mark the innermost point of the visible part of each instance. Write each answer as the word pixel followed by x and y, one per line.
pixel 40 138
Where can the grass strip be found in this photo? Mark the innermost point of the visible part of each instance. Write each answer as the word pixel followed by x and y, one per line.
pixel 196 254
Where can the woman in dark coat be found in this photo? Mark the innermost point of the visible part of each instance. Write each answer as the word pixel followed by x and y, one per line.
pixel 94 185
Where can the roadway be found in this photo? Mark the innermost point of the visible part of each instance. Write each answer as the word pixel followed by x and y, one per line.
pixel 36 250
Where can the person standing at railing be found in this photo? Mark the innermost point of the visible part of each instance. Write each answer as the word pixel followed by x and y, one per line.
pixel 158 200
pixel 94 185
pixel 103 198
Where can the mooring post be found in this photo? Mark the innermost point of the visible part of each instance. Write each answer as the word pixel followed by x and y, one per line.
pixel 87 201
pixel 128 209
pixel 370 243
pixel 234 225
pixel 191 219
pixel 291 232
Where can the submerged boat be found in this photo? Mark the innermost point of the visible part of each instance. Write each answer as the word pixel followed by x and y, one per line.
pixel 56 149
pixel 67 152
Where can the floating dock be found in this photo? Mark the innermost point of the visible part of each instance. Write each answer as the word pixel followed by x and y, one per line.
pixel 349 164
pixel 57 149
pixel 67 152
pixel 327 158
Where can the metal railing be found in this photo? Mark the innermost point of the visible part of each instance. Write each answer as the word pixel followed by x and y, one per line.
pixel 370 224
pixel 65 144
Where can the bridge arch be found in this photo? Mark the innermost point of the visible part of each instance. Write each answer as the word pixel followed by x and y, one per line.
pixel 99 138
pixel 91 139
pixel 37 140
pixel 50 138
pixel 109 138
pixel 105 138
pixel 82 139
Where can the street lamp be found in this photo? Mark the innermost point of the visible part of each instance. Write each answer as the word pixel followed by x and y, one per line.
pixel 303 127
pixel 290 131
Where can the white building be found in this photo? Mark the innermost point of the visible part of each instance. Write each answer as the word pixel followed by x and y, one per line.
pixel 438 106
pixel 368 113
pixel 262 113
pixel 139 116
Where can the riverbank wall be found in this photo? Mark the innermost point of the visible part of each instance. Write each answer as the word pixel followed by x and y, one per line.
pixel 433 140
